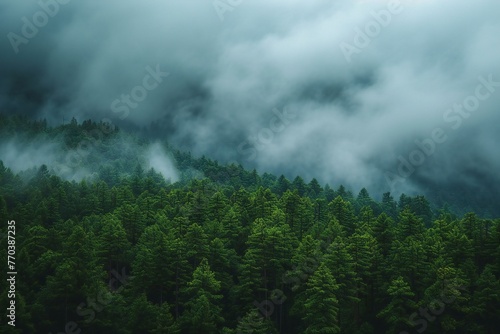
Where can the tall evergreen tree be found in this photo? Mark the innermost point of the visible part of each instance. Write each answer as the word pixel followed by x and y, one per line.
pixel 400 306
pixel 321 306
pixel 342 210
pixel 203 313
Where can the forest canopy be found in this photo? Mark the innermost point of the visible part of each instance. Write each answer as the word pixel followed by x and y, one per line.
pixel 117 234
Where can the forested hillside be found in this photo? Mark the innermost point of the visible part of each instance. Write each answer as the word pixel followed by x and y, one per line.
pixel 107 245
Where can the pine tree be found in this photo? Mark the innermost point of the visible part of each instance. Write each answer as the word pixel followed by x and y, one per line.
pixel 113 243
pixel 315 188
pixel 264 202
pixel 344 213
pixel 76 277
pixel 341 264
pixel 409 259
pixel 198 208
pixel 365 254
pixel 234 233
pixel 217 207
pixel 142 315
pixel 389 206
pixel 290 206
pixel 382 231
pixel 165 322
pixel 225 260
pixel 422 209
pixel 364 200
pixel 282 185
pixel 299 185
pixel 203 313
pixel 486 298
pixel 197 242
pixel 304 261
pixel 265 261
pixel 132 220
pixel 400 306
pixel 409 225
pixel 321 306
pixel 254 323
pixel 152 275
pixel 447 301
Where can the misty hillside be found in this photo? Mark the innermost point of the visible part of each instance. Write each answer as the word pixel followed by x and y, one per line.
pixel 250 166
pixel 117 234
pixel 99 150
pixel 356 107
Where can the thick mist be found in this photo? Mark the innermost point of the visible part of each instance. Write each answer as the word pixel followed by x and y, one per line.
pixel 388 95
pixel 86 160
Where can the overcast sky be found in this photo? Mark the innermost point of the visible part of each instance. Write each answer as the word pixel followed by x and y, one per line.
pixel 355 91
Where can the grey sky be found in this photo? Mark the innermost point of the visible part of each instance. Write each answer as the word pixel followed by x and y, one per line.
pixel 353 119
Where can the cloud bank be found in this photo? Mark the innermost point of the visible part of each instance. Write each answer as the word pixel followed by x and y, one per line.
pixel 231 64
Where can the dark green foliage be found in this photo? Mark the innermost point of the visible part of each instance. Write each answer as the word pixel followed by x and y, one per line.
pixel 321 299
pixel 226 250
pixel 396 313
pixel 203 313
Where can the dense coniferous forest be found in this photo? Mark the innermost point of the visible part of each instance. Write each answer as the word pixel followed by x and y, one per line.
pixel 221 249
